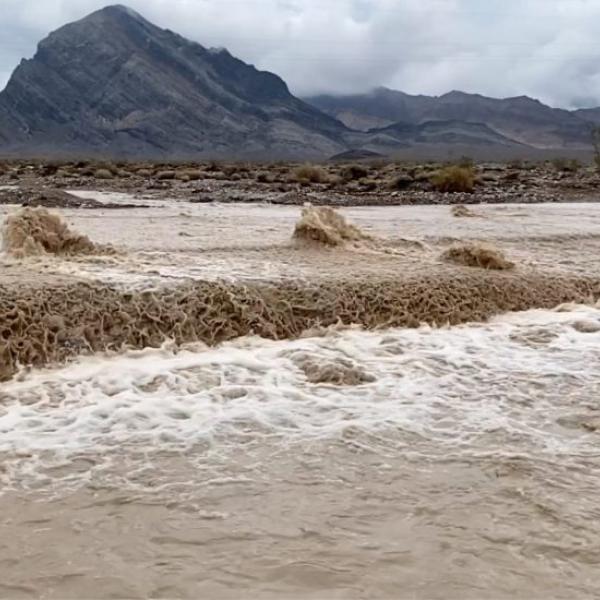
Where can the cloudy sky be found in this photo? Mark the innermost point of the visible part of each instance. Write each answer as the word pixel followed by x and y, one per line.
pixel 548 49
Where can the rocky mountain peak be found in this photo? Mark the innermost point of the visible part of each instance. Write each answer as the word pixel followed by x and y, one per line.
pixel 115 83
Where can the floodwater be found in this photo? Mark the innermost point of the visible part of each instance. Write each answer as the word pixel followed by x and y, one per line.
pixel 174 241
pixel 450 463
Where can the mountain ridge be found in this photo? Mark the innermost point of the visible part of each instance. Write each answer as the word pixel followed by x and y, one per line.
pixel 526 121
pixel 114 84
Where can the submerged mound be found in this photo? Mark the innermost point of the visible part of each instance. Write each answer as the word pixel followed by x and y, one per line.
pixel 460 210
pixel 35 231
pixel 323 225
pixel 341 372
pixel 586 326
pixel 477 255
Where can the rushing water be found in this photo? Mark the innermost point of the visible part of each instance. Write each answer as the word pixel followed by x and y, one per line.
pixel 462 462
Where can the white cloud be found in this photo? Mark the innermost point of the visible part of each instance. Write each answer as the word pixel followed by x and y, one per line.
pixel 543 48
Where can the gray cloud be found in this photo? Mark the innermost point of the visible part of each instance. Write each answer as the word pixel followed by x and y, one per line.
pixel 543 48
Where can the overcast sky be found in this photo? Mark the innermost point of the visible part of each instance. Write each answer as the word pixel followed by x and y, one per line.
pixel 549 49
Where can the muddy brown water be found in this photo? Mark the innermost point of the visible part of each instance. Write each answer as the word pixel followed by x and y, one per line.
pixel 459 462
pixel 465 466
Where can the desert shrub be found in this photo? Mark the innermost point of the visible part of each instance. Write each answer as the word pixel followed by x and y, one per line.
pixel 566 165
pixel 236 169
pixel 49 169
pixel 596 145
pixel 517 163
pixel 512 176
pixel 368 185
pixel 378 164
pixel 401 182
pixel 454 179
pixel 107 166
pixel 192 174
pixel 103 174
pixel 264 177
pixel 466 162
pixel 574 165
pixel 165 175
pixel 353 172
pixel 310 173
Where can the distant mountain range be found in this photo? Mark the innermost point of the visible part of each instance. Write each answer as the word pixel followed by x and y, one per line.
pixel 519 121
pixel 113 84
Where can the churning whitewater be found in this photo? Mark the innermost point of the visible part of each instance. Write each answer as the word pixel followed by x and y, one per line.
pixel 333 465
pixel 524 377
pixel 186 415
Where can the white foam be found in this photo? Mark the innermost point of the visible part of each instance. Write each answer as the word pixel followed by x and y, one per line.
pixel 459 390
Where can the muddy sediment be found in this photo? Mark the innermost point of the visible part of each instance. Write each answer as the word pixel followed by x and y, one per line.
pixel 324 225
pixel 36 231
pixel 54 323
pixel 483 256
pixel 461 211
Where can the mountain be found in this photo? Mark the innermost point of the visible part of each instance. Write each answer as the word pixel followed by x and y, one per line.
pixel 523 120
pixel 591 115
pixel 115 84
pixel 441 132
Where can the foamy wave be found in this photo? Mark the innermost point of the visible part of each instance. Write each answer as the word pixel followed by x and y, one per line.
pixel 528 376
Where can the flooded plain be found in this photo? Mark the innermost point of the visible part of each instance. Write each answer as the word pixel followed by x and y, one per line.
pixel 219 472
pixel 433 462
pixel 172 241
